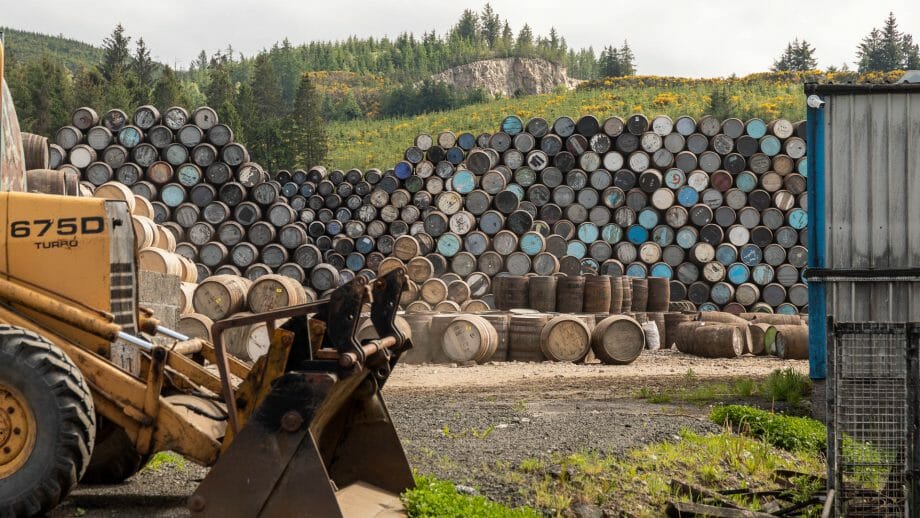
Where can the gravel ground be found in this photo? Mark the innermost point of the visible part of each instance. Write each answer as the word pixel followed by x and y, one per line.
pixel 468 424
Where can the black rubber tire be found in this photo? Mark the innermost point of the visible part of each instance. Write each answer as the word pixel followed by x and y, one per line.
pixel 115 459
pixel 65 420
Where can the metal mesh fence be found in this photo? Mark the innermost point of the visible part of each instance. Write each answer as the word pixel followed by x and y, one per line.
pixel 872 431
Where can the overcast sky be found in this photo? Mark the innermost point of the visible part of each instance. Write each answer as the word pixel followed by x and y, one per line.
pixel 669 37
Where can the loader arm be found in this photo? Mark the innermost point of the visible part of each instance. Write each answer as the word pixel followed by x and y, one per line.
pixel 309 429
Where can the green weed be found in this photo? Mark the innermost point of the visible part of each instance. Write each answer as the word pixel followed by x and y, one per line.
pixel 786 432
pixel 787 385
pixel 434 498
pixel 163 459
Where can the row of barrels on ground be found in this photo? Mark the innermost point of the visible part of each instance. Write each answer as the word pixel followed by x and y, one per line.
pixel 712 183
pixel 582 293
pixel 525 337
pixel 725 335
pixel 531 336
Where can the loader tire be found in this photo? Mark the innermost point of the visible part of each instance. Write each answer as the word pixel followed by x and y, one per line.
pixel 115 458
pixel 47 424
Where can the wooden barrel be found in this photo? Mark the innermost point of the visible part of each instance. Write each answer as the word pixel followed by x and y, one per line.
pixel 419 324
pixel 659 294
pixel 511 291
pixel 273 292
pixel 324 277
pixel 419 269
pixel 525 337
pixel 475 306
pixel 221 296
pixel 45 181
pixel 433 291
pixel 791 342
pixel 542 293
pixel 469 338
pixel 617 340
pixel 671 321
pixel 419 306
pixel 722 318
pixel 570 294
pixel 186 292
pixel 68 137
pixel 710 340
pixel 35 151
pixel 597 294
pixel 115 191
pixel 616 294
pixel 195 325
pixel 145 232
pixel 501 323
pixel 639 290
pixel 248 342
pixel 458 291
pixel 165 240
pixel 565 338
pixel 759 333
pixel 160 261
pixel 143 207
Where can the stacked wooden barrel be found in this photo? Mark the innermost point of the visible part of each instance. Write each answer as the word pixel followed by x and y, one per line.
pixel 717 207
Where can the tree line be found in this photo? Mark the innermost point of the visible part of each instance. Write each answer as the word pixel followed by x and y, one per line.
pixel 882 50
pixel 267 98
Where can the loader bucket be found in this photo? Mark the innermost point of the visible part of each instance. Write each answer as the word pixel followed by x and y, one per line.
pixel 321 441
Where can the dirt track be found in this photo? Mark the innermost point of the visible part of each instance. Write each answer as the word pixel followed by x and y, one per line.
pixel 466 423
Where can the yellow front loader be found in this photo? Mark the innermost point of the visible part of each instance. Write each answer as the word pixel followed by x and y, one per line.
pixel 84 394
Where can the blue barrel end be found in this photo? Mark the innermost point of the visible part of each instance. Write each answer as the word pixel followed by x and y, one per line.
pixel 403 170
pixel 755 128
pixel 637 234
pixel 588 232
pixel 637 270
pixel 662 270
pixel 576 249
pixel 512 125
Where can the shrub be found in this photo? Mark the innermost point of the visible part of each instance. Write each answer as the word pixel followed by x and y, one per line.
pixel 786 432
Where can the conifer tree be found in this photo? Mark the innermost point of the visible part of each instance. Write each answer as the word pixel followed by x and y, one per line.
pixel 143 69
pixel 168 90
pixel 887 49
pixel 116 54
pixel 798 57
pixel 305 129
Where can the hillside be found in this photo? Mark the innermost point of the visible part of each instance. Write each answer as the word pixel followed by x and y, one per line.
pixel 380 143
pixel 25 46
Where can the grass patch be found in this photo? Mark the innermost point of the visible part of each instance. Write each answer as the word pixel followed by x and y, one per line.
pixel 786 432
pixel 639 483
pixel 434 498
pixel 807 435
pixel 165 459
pixel 786 385
pixel 782 385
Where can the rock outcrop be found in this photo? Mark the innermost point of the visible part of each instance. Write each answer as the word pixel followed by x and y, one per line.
pixel 508 76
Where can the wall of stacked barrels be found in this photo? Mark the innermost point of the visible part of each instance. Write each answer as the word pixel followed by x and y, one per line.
pixel 718 207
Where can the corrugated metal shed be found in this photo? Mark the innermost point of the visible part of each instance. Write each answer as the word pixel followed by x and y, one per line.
pixel 864 200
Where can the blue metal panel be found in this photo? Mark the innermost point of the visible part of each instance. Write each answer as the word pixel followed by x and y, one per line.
pixel 817 303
